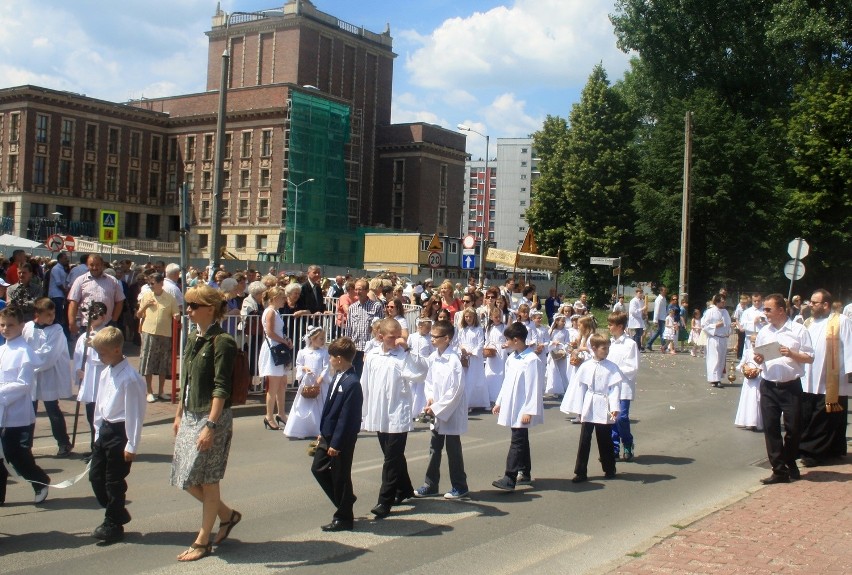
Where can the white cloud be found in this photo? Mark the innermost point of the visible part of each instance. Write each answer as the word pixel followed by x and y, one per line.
pixel 509 113
pixel 542 42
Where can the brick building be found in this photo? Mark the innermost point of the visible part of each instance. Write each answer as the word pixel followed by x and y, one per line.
pixel 309 98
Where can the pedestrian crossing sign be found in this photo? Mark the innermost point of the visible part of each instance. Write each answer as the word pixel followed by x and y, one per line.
pixel 109 227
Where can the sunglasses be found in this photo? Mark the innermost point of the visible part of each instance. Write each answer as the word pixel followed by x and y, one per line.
pixel 195 305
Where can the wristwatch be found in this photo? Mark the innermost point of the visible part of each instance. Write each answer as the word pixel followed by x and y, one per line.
pixel 211 424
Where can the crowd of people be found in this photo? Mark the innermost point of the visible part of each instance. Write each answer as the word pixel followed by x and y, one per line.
pixel 469 349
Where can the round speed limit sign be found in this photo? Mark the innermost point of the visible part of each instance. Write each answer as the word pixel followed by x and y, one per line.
pixel 435 259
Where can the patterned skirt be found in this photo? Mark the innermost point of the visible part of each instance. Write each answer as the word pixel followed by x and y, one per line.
pixel 192 467
pixel 156 354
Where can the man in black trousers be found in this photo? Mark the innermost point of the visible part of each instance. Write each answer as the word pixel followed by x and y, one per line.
pixel 339 427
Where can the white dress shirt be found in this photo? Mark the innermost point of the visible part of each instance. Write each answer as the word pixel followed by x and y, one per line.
pixel 121 397
pixel 792 335
pixel 624 353
pixel 17 376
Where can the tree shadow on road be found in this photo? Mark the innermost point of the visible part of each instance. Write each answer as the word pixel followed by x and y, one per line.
pixel 30 542
pixel 826 476
pixel 661 460
pixel 645 478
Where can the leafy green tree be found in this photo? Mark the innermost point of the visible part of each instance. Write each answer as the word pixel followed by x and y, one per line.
pixel 819 207
pixel 581 203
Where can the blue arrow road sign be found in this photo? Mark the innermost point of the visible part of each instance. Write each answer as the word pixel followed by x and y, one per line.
pixel 469 263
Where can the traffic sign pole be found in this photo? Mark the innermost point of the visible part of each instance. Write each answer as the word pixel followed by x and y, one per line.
pixel 797 249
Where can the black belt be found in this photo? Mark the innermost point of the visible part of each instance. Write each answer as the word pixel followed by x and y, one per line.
pixel 113 424
pixel 798 380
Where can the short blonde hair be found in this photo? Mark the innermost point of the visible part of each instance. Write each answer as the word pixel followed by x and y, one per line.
pixel 108 337
pixel 388 325
pixel 207 295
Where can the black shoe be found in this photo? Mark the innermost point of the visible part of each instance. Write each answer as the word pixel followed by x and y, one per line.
pixel 810 462
pixel 108 532
pixel 400 499
pixel 579 478
pixel 775 478
pixel 793 471
pixel 504 484
pixel 610 475
pixel 380 511
pixel 338 525
pixel 64 450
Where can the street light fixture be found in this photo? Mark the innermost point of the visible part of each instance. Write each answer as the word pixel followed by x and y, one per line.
pixel 486 196
pixel 296 211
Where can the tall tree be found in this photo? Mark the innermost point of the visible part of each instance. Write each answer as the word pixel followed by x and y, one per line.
pixel 591 215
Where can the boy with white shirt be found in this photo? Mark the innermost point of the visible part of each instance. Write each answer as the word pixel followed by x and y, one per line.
pixel 599 386
pixel 388 370
pixel 623 353
pixel 17 417
pixel 119 414
pixel 446 400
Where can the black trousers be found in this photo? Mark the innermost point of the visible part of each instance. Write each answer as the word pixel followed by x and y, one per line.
pixel 109 471
pixel 358 362
pixel 455 460
pixel 90 417
pixel 334 475
pixel 823 433
pixel 519 459
pixel 776 399
pixel 603 435
pixel 395 479
pixel 57 422
pixel 637 336
pixel 740 343
pixel 18 447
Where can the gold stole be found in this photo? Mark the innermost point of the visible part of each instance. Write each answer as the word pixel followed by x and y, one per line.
pixel 832 364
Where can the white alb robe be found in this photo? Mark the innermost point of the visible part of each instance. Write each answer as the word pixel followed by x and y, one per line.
pixel 495 366
pixel 598 384
pixel 814 380
pixel 522 391
pixel 387 391
pixel 52 362
pixel 421 346
pixel 748 409
pixel 445 387
pixel 717 340
pixel 471 340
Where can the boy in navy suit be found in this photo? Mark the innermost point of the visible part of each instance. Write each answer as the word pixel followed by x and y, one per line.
pixel 339 427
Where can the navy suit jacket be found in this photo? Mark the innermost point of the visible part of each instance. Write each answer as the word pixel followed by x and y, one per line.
pixel 310 300
pixel 341 414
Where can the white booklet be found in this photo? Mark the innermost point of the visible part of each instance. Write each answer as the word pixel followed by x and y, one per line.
pixel 769 351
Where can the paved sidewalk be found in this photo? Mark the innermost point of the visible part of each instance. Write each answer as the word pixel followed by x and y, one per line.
pixel 799 527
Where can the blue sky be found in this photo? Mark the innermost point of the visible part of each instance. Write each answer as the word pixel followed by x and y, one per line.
pixel 499 67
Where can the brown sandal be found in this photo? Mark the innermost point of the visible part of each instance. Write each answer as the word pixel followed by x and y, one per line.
pixel 192 554
pixel 236 517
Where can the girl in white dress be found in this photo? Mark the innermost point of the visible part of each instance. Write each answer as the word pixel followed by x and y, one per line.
pixel 556 371
pixel 581 351
pixel 695 333
pixel 420 343
pixel 748 412
pixel 470 343
pixel 495 352
pixel 276 375
pixel 311 368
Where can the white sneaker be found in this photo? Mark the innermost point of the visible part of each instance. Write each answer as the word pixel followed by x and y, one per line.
pixel 41 494
pixel 151 398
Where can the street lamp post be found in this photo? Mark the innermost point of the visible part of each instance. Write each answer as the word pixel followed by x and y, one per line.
pixel 485 197
pixel 219 160
pixel 296 211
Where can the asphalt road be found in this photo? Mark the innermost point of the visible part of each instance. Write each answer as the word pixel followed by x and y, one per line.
pixel 690 460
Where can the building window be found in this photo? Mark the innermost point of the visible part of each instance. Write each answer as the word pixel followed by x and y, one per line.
pixel 263 208
pixel 523 202
pixel 266 143
pixel 264 178
pixel 241 241
pixel 152 226
pixel 112 179
pixel 454 248
pixel 228 144
pixel 523 176
pixel 89 177
pixel 522 228
pixel 245 145
pixel 172 182
pixel 133 183
pixel 64 173
pixel 67 136
pixel 156 148
pixel 190 149
pixel 398 172
pixel 112 140
pixel 173 149
pixel 226 179
pixel 39 166
pixel 14 126
pixel 13 170
pixel 524 164
pixel 135 144
pixel 88 214
pixel 226 209
pixel 131 225
pixel 205 209
pixel 202 241
pixel 91 137
pixel 443 175
pixel 38 210
pixel 245 178
pixel 260 242
pixel 41 128
pixel 492 214
pixel 244 208
pixel 206 180
pixel 424 245
pixel 208 146
pixel 154 187
pixel 524 150
pixel 523 188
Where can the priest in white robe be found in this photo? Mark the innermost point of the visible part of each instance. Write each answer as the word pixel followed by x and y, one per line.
pixel 716 323
pixel 826 386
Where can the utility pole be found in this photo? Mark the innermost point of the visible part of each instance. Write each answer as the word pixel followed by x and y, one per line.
pixel 684 217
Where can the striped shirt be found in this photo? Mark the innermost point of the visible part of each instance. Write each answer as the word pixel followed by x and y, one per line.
pixel 359 318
